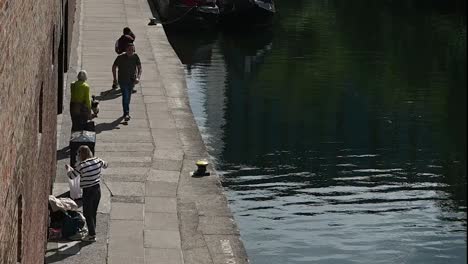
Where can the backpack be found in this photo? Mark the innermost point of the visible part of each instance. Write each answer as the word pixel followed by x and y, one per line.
pixel 122 43
pixel 73 222
pixel 117 48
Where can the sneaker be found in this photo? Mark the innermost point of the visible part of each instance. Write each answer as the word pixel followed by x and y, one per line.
pixel 77 236
pixel 89 238
pixel 127 117
pixel 134 91
pixel 114 86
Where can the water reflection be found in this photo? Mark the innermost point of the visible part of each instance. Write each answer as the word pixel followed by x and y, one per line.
pixel 245 52
pixel 193 48
pixel 341 134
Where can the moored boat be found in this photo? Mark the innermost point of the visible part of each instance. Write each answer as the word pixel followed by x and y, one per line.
pixel 187 14
pixel 236 13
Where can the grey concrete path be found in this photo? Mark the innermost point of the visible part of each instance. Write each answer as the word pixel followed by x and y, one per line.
pixel 152 210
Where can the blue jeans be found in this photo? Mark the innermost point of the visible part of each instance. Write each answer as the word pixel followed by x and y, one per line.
pixel 126 89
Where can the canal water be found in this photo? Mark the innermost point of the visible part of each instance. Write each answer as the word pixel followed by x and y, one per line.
pixel 340 133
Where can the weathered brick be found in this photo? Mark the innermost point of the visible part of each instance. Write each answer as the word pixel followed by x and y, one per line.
pixel 27 149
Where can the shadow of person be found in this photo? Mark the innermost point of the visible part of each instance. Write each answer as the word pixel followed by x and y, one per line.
pixel 64 251
pixel 108 126
pixel 108 95
pixel 63 153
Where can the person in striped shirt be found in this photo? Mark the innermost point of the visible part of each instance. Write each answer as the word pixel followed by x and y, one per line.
pixel 89 169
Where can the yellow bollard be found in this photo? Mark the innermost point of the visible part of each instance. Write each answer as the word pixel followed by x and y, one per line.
pixel 201 168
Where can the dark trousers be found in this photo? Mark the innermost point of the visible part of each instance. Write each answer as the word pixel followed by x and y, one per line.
pixel 79 115
pixel 91 197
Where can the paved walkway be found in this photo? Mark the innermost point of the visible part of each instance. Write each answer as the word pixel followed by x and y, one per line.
pixel 151 210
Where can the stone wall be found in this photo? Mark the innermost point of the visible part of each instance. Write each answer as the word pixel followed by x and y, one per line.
pixel 30 73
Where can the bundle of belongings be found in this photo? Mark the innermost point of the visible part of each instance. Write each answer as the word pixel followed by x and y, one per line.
pixel 65 221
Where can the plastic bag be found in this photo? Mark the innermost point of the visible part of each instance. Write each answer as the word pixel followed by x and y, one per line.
pixel 75 191
pixel 62 204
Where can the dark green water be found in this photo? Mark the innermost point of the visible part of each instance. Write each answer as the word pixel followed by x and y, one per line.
pixel 341 134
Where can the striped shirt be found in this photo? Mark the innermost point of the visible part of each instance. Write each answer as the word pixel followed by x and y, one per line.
pixel 90 172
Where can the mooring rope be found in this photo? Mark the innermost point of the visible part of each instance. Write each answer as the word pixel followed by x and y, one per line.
pixel 176 19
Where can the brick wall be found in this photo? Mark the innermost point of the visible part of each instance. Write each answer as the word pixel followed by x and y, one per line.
pixel 30 33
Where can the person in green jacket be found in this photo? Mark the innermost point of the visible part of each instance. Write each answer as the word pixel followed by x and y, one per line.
pixel 80 102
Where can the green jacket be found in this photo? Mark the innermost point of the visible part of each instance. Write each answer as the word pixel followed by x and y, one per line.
pixel 80 93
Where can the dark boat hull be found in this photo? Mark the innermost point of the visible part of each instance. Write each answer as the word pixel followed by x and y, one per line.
pixel 189 18
pixel 240 13
pixel 174 15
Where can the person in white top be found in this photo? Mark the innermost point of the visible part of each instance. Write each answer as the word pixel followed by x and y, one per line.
pixel 89 169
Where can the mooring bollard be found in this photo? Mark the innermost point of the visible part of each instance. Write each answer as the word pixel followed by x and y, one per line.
pixel 201 169
pixel 153 21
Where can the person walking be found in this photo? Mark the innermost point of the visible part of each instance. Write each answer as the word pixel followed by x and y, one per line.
pixel 121 46
pixel 80 102
pixel 89 169
pixel 129 72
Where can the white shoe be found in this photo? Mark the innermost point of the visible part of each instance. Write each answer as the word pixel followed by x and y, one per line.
pixel 89 238
pixel 77 236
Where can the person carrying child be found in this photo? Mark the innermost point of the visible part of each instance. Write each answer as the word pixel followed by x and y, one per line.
pixel 121 46
pixel 122 43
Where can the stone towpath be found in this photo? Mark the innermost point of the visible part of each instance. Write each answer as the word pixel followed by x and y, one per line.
pixel 151 210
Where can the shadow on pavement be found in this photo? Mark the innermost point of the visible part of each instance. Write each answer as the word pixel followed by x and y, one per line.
pixel 64 251
pixel 108 126
pixel 63 153
pixel 109 95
